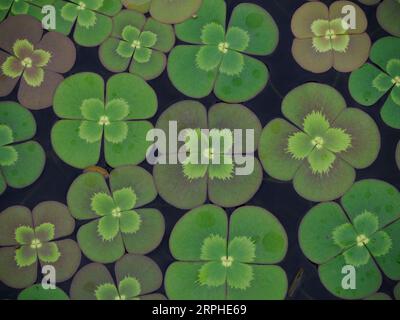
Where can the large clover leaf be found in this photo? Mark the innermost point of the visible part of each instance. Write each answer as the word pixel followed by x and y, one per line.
pixel 137 43
pixel 365 235
pixel 29 239
pixel 321 145
pixel 219 59
pixel 166 11
pixel 187 185
pixel 322 41
pixel 136 278
pixel 227 260
pixel 372 81
pixel 33 61
pixel 117 225
pixel 21 161
pixel 89 118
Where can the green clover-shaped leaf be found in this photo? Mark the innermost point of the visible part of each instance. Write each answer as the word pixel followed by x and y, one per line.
pixel 218 57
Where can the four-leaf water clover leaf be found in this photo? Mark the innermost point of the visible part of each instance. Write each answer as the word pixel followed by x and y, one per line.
pixel 16 7
pixel 137 43
pixel 117 225
pixel 187 184
pixel 227 260
pixel 91 19
pixel 136 278
pixel 89 116
pixel 35 59
pixel 373 80
pixel 323 40
pixel 29 239
pixel 364 234
pixel 218 58
pixel 166 11
pixel 322 144
pixel 21 161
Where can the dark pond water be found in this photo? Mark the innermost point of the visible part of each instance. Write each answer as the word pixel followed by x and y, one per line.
pixel 277 197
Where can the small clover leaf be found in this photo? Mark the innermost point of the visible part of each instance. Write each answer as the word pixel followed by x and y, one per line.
pixel 102 203
pixel 366 223
pixel 148 39
pixel 24 235
pixel 315 123
pixel 237 38
pixel 344 235
pixel 357 256
pixel 142 55
pixel 86 18
pixel 90 131
pixel 117 109
pixel 240 276
pixel 382 82
pixel 108 227
pixel 212 274
pixel 92 109
pixel 129 288
pixel 25 256
pixel 213 248
pixel 242 249
pixel 299 145
pixel 380 244
pixel 337 140
pixel 213 34
pixel 130 222
pixel 8 156
pixel 116 132
pixel 45 231
pixel 107 291
pixel 125 198
pixel 49 252
pixel 130 33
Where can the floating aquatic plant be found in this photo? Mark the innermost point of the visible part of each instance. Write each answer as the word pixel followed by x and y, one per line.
pixel 34 60
pixel 321 146
pixel 219 58
pixel 227 260
pixel 117 221
pixel 17 7
pixel 37 292
pixel 29 239
pixel 136 278
pixel 322 41
pixel 166 11
pixel 92 112
pixel 187 185
pixel 90 20
pixel 373 80
pixel 137 43
pixel 366 235
pixel 21 161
